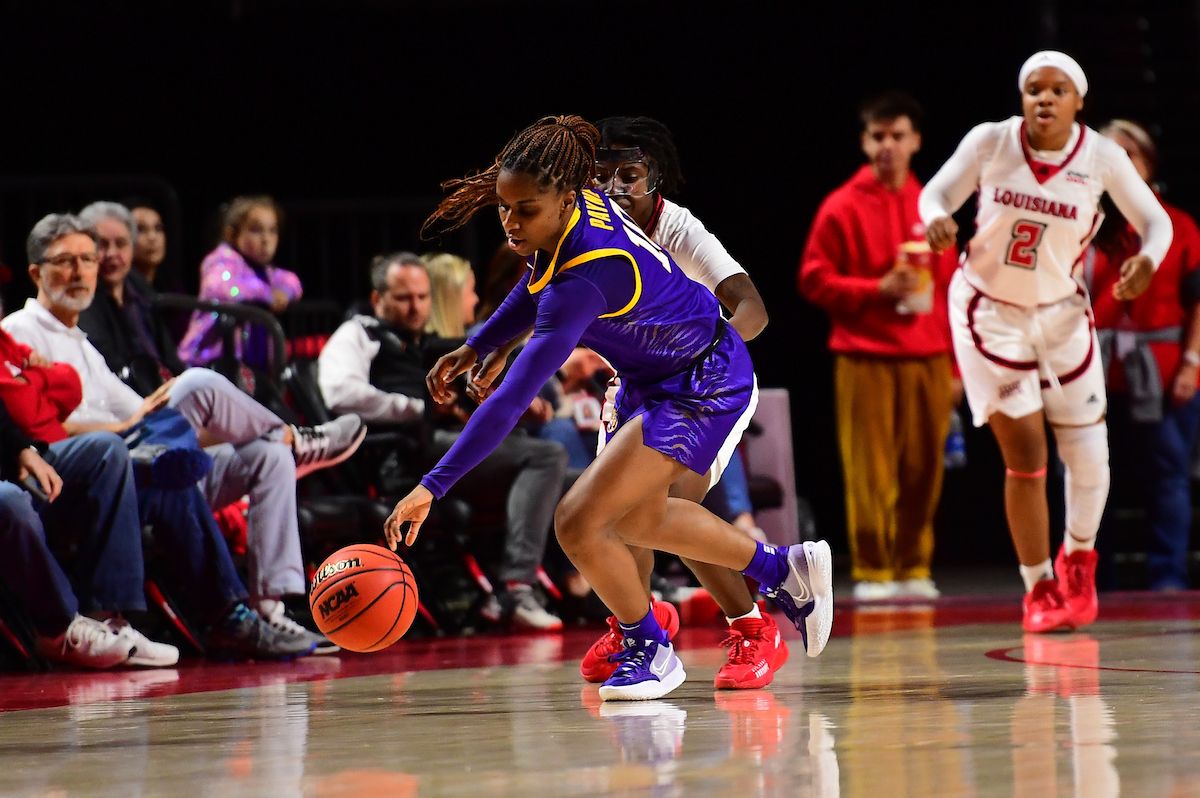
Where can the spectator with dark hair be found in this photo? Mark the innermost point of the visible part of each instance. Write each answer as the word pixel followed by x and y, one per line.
pixel 893 385
pixel 241 269
pixel 150 237
pixel 1151 349
pixel 375 366
pixel 253 450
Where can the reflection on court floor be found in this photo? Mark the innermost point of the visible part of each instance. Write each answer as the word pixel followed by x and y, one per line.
pixel 949 699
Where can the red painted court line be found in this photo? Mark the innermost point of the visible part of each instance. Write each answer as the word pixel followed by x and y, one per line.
pixel 39 691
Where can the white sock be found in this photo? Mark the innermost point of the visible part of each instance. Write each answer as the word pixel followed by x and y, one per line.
pixel 264 606
pixel 1084 453
pixel 754 613
pixel 1032 574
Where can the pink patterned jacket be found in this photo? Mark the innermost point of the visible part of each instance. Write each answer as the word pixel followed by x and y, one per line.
pixel 226 277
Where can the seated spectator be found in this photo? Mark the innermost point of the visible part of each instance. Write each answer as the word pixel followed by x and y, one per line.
pixel 240 269
pixel 452 295
pixel 151 273
pixel 258 454
pixel 88 496
pixel 375 366
pixel 150 249
pixel 1151 350
pixel 91 477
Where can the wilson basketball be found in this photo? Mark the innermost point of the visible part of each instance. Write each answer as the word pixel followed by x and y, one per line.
pixel 363 598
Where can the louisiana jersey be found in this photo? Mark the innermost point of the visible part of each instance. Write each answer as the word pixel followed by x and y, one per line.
pixel 698 252
pixel 1035 217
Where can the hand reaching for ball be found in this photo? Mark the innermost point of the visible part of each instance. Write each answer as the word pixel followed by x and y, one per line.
pixel 413 508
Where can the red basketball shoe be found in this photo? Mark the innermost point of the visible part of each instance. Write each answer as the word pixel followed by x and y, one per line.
pixel 756 651
pixel 1045 609
pixel 596 666
pixel 1077 583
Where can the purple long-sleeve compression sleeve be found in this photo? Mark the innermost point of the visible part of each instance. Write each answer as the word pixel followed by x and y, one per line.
pixel 563 314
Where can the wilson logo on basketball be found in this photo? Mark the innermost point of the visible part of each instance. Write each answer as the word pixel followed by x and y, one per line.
pixel 339 598
pixel 333 568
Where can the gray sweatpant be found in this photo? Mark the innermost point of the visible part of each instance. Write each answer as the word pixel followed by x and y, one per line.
pixel 529 472
pixel 254 461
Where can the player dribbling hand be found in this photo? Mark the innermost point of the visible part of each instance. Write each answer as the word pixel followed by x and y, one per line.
pixel 413 508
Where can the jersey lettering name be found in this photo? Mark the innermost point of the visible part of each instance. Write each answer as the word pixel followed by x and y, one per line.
pixel 1026 202
pixel 597 213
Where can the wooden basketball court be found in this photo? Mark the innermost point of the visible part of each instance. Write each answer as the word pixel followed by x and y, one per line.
pixel 949 699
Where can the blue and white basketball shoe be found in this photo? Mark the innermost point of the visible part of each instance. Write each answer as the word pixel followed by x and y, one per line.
pixel 647 670
pixel 806 595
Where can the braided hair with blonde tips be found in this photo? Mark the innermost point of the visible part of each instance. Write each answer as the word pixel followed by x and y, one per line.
pixel 558 151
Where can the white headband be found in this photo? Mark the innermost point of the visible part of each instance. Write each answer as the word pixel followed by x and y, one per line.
pixel 1053 58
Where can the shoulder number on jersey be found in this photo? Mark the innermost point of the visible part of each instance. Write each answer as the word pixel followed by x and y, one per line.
pixel 640 239
pixel 1022 249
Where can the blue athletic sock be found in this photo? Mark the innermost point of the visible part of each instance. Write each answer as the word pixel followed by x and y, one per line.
pixel 645 629
pixel 769 566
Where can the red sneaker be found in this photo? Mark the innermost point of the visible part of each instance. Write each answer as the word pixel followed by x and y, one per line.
pixel 1045 609
pixel 1077 583
pixel 756 651
pixel 596 666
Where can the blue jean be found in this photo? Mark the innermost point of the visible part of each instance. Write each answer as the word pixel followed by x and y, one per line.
pixel 1166 484
pixel 579 454
pixel 106 563
pixel 730 497
pixel 196 561
pixel 1152 463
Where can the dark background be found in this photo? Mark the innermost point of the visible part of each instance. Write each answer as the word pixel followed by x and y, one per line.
pixel 352 112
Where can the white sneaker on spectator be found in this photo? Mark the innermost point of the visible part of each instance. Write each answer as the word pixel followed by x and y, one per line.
pixel 87 643
pixel 274 613
pixel 874 591
pixel 146 652
pixel 491 610
pixel 529 614
pixel 917 588
pixel 327 445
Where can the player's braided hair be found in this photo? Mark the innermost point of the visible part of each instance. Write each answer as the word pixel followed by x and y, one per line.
pixel 655 140
pixel 559 151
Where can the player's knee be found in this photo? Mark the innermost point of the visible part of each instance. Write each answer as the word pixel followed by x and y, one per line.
pixel 1084 451
pixel 572 521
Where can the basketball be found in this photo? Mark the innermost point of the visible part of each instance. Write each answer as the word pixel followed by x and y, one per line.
pixel 363 598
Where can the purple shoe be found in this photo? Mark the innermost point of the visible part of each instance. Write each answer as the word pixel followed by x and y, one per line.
pixel 647 669
pixel 806 595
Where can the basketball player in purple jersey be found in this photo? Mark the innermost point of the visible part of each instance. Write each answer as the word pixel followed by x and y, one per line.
pixel 688 394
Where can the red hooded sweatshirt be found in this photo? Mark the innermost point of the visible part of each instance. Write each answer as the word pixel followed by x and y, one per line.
pixel 852 244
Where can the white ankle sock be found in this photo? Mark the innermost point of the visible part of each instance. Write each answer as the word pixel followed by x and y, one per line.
pixel 754 613
pixel 1032 574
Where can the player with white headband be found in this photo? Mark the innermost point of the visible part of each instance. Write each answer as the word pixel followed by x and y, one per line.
pixel 1021 324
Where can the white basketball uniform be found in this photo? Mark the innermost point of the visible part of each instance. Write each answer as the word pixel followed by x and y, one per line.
pixel 1020 322
pixel 705 260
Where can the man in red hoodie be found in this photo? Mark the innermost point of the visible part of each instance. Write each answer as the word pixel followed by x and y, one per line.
pixel 886 298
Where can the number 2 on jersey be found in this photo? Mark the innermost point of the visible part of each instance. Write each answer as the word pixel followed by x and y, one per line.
pixel 1022 250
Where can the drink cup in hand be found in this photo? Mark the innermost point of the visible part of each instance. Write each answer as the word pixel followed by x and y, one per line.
pixel 917 256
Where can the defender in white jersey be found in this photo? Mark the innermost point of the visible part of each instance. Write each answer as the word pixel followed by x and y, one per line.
pixel 1021 324
pixel 637 165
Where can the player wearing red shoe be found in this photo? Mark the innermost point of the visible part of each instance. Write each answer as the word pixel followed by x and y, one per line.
pixel 1021 324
